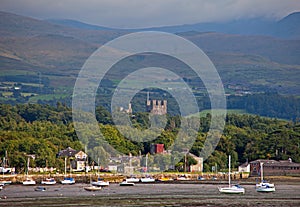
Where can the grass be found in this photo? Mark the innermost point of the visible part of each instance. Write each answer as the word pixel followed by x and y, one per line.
pixel 228 111
pixel 47 97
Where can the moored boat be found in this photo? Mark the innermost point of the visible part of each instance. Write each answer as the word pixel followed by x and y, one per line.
pixel 100 183
pixel 68 181
pixel 231 189
pixel 48 181
pixel 92 188
pixel 264 186
pixel 147 180
pixel 125 183
pixel 29 181
pixel 133 180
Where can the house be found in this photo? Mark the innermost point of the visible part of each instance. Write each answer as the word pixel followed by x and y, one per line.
pixel 245 167
pixel 78 158
pixel 273 167
pixel 199 166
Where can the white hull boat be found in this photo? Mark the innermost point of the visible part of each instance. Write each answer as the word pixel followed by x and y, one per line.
pixel 263 186
pixel 231 189
pixel 147 180
pixel 100 183
pixel 234 189
pixel 125 183
pixel 133 180
pixel 68 181
pixel 48 181
pixel 29 182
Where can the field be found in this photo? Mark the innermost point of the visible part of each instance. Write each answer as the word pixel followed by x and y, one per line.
pixel 158 194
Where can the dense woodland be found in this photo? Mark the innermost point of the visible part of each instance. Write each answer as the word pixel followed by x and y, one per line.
pixel 44 130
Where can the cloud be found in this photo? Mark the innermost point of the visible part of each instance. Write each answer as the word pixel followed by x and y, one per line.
pixel 145 13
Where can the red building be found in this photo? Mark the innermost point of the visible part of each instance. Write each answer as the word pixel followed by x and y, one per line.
pixel 157 148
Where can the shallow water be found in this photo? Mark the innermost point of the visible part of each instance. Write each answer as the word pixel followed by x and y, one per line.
pixel 158 194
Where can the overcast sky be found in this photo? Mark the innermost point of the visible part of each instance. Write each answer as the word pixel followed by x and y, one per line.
pixel 149 13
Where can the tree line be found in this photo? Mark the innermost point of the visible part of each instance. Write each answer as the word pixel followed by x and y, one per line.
pixel 44 130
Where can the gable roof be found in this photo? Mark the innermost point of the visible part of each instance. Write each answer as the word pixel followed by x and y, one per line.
pixel 68 152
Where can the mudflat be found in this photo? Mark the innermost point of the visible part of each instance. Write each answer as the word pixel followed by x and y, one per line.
pixel 156 194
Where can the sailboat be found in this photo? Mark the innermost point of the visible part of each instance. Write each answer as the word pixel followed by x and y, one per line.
pixel 231 189
pixel 147 178
pixel 100 182
pixel 28 180
pixel 67 180
pixel 264 186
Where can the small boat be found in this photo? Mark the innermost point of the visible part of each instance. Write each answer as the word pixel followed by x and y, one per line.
pixel 133 180
pixel 48 181
pixel 165 179
pixel 68 181
pixel 5 182
pixel 264 186
pixel 92 188
pixel 182 177
pixel 1 187
pixel 231 189
pixel 100 183
pixel 29 182
pixel 125 183
pixel 40 188
pixel 147 180
pixel 265 189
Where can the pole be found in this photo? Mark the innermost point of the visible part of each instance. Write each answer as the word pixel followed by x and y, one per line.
pixel 229 163
pixel 65 166
pixel 261 172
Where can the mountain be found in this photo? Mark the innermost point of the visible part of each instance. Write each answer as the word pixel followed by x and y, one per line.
pixel 77 24
pixel 288 27
pixel 58 51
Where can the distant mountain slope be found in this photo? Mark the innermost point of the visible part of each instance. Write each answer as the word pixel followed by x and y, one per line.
pixel 288 27
pixel 251 60
pixel 77 24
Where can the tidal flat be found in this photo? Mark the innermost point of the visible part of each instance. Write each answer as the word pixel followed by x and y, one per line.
pixel 157 194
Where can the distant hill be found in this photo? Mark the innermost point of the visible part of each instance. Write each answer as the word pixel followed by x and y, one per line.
pixel 59 49
pixel 287 27
pixel 77 24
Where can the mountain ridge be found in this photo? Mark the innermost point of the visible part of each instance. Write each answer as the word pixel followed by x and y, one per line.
pixel 255 26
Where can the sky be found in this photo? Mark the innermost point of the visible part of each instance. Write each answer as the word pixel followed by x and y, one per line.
pixel 150 13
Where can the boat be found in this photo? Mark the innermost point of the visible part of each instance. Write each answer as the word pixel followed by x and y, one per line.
pixel 125 183
pixel 5 182
pixel 48 181
pixel 165 179
pixel 182 177
pixel 147 179
pixel 231 189
pixel 40 188
pixel 133 180
pixel 264 186
pixel 92 188
pixel 100 183
pixel 1 187
pixel 68 181
pixel 29 181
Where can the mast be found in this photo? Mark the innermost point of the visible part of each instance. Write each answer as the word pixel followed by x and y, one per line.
pixel 146 163
pixel 229 163
pixel 261 172
pixel 65 166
